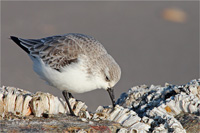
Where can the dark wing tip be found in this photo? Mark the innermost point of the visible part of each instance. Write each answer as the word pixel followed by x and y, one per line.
pixel 18 42
pixel 15 39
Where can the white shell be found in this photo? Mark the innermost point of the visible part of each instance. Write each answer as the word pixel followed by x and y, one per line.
pixel 9 101
pixel 131 120
pixel 40 104
pixel 26 107
pixel 79 105
pixel 1 104
pixel 140 127
pixel 123 130
pixel 19 104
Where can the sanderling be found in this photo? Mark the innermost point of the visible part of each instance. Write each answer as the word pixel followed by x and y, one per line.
pixel 73 63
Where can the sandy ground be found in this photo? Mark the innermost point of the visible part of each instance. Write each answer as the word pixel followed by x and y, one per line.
pixel 152 46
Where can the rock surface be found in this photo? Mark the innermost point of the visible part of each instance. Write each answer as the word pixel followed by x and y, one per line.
pixel 171 108
pixel 54 123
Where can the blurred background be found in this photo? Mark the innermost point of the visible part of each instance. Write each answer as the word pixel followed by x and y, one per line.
pixel 153 42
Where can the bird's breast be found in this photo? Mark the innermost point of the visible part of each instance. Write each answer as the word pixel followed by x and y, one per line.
pixel 73 78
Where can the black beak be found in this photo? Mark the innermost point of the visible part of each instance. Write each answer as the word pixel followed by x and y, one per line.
pixel 112 96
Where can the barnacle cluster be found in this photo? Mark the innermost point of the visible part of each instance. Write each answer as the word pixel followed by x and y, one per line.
pixel 141 109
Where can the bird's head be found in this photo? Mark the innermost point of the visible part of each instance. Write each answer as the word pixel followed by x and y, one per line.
pixel 110 72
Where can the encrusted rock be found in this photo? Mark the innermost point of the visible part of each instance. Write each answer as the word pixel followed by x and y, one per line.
pixel 162 104
pixel 14 100
pixel 24 103
pixel 124 116
pixel 141 109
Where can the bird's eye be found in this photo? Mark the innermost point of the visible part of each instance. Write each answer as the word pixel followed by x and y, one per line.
pixel 107 79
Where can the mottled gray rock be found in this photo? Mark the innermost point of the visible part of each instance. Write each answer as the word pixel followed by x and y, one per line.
pixel 158 105
pixel 171 108
pixel 54 123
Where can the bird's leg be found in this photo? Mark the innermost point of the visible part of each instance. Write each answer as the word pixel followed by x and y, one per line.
pixel 66 96
pixel 112 96
pixel 70 95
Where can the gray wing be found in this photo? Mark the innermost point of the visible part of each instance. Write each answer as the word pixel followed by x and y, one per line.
pixel 59 51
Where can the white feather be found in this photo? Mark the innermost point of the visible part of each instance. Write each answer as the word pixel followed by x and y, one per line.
pixel 73 78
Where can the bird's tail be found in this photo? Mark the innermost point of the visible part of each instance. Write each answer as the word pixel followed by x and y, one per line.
pixel 21 43
pixel 25 44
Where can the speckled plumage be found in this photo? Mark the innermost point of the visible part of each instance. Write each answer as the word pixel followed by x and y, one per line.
pixel 59 51
pixel 74 62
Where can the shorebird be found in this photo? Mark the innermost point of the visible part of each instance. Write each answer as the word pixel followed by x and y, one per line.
pixel 73 63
